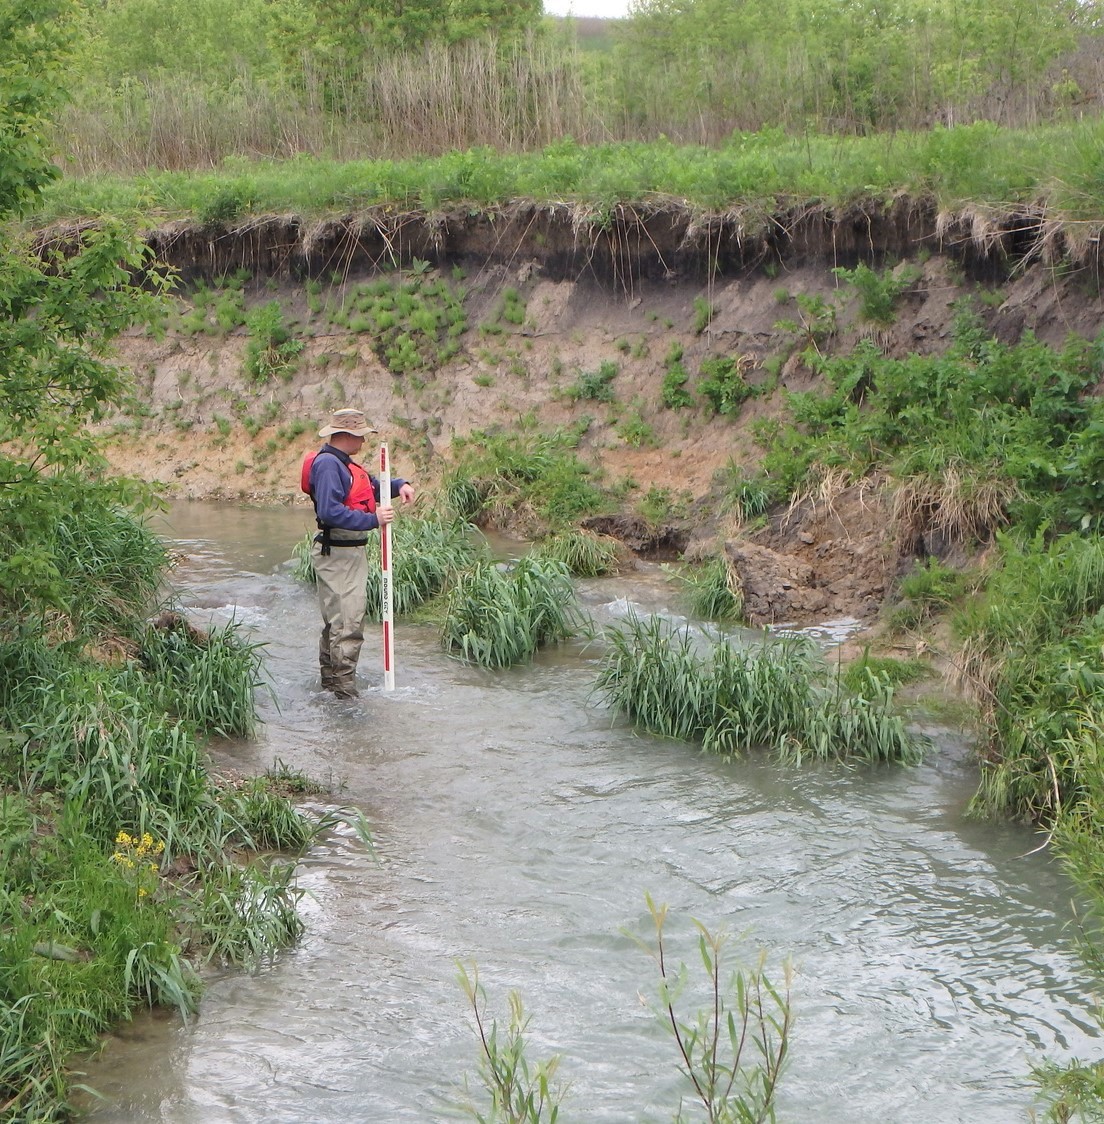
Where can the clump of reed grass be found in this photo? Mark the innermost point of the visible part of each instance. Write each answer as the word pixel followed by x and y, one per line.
pixel 87 736
pixel 206 679
pixel 499 615
pixel 426 555
pixel 673 683
pixel 270 820
pixel 302 569
pixel 870 670
pixel 585 553
pixel 714 591
pixel 32 1078
pixel 104 740
pixel 858 727
pixel 241 915
pixel 110 567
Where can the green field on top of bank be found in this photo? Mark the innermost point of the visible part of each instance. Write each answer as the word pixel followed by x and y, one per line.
pixel 990 169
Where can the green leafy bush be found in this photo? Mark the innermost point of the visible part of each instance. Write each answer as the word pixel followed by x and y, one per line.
pixel 723 383
pixel 413 322
pixel 673 392
pixel 596 385
pixel 815 325
pixel 878 293
pixel 634 430
pixel 271 351
pixel 704 312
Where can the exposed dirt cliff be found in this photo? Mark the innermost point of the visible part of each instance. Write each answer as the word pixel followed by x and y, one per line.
pixel 625 289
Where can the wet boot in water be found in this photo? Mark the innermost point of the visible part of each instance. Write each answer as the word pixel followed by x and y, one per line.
pixel 344 686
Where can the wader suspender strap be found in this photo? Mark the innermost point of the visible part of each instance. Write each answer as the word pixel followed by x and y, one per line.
pixel 323 536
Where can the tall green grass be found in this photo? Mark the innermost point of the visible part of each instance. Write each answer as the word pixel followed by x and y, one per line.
pixel 75 559
pixel 103 785
pixel 111 565
pixel 498 615
pixel 673 683
pixel 83 940
pixel 206 679
pixel 425 554
pixel 1031 650
pixel 585 553
pixel 713 591
pixel 527 478
pixel 241 915
pixel 959 167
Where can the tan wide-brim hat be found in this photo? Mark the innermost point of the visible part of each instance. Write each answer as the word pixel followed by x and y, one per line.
pixel 347 421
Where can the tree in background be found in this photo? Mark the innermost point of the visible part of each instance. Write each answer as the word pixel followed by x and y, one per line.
pixel 223 40
pixel 360 27
pixel 216 40
pixel 58 315
pixel 188 83
pixel 842 65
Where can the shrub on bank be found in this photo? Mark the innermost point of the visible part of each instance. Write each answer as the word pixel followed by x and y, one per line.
pixel 530 478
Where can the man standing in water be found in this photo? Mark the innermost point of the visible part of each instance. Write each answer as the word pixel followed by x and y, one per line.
pixel 347 506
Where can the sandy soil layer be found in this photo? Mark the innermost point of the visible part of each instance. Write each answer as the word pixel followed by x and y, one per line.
pixel 207 431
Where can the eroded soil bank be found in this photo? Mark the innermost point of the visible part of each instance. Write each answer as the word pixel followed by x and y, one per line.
pixel 629 292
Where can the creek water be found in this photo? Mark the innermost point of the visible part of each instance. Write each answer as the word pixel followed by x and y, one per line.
pixel 518 827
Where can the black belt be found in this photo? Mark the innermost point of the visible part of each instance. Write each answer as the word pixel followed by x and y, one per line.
pixel 324 539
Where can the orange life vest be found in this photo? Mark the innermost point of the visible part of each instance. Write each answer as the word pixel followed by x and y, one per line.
pixel 360 496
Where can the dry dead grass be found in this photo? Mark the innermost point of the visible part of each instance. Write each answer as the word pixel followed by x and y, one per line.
pixel 958 507
pixel 821 497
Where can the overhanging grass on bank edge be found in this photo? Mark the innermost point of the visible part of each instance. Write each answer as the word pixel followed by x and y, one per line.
pixel 980 166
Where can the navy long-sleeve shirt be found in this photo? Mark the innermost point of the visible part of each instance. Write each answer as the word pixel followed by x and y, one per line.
pixel 330 481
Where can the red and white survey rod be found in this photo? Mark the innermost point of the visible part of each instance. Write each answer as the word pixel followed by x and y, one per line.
pixel 388 606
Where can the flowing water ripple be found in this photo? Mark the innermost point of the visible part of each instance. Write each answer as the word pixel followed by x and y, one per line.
pixel 519 827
